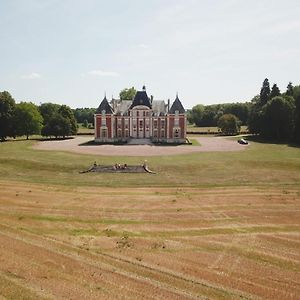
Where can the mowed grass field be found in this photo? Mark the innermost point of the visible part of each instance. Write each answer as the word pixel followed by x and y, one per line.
pixel 206 226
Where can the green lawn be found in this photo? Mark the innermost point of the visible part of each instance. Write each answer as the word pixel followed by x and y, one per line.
pixel 206 225
pixel 260 164
pixel 209 130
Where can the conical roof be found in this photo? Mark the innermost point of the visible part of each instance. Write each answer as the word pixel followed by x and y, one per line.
pixel 104 106
pixel 177 106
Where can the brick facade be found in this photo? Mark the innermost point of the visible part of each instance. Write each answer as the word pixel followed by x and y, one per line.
pixel 142 118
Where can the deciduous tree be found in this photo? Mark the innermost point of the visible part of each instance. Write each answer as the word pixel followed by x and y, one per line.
pixel 67 113
pixel 127 93
pixel 59 120
pixel 27 119
pixel 296 95
pixel 196 114
pixel 7 107
pixel 229 124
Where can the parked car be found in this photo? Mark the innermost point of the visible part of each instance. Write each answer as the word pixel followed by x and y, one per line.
pixel 242 142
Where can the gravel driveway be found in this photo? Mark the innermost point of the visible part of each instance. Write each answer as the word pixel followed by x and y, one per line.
pixel 208 144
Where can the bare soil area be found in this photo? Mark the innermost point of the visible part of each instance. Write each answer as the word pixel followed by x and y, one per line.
pixel 149 243
pixel 208 144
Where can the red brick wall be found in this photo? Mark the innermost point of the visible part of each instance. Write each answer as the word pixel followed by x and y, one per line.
pixel 171 125
pixel 108 124
pixel 181 125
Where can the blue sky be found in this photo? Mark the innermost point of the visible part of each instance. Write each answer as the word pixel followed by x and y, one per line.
pixel 72 51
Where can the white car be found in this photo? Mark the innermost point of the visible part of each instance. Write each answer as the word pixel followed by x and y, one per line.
pixel 242 142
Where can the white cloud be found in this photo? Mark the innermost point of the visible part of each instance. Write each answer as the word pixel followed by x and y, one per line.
pixel 31 76
pixel 103 73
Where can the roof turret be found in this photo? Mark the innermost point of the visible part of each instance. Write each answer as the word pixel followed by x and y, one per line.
pixel 104 106
pixel 177 106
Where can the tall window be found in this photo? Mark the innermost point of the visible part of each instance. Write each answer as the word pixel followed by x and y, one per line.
pixel 104 133
pixel 176 121
pixel 126 123
pixel 119 133
pixel 103 118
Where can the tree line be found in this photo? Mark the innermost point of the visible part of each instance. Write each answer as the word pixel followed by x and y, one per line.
pixel 276 115
pixel 85 115
pixel 209 115
pixel 47 119
pixel 271 114
pixel 26 118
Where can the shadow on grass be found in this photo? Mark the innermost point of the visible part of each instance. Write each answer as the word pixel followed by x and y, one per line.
pixel 261 140
pixel 55 139
pixel 93 143
pixel 40 139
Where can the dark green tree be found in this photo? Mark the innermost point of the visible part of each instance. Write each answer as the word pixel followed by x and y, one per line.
pixel 67 113
pixel 48 110
pixel 127 94
pixel 7 107
pixel 265 92
pixel 54 125
pixel 27 119
pixel 278 119
pixel 289 89
pixel 296 96
pixel 82 114
pixel 275 91
pixel 229 124
pixel 57 126
pixel 210 115
pixel 195 115
pixel 240 110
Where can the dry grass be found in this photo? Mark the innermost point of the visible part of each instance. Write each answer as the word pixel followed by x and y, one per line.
pixel 166 243
pixel 210 225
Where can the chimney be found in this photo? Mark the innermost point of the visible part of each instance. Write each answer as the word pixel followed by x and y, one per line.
pixel 168 105
pixel 151 99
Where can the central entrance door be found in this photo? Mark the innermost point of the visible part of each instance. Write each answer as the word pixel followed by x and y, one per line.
pixel 141 129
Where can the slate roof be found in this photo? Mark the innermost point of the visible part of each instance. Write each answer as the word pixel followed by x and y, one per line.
pixel 177 105
pixel 141 98
pixel 159 107
pixel 123 106
pixel 104 105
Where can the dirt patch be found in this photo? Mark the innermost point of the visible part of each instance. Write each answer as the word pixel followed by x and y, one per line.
pixel 208 144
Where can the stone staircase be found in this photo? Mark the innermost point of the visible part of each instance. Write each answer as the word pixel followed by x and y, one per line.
pixel 139 142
